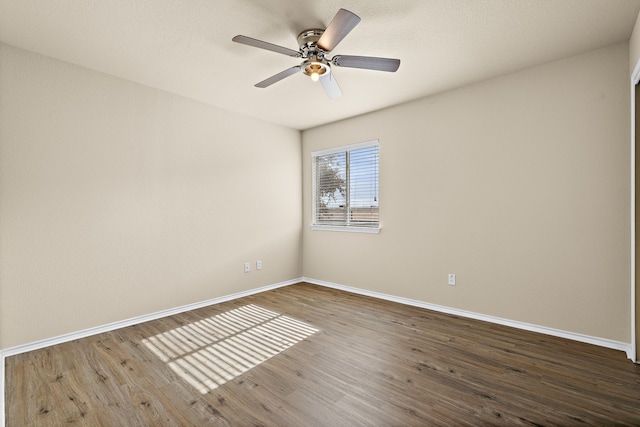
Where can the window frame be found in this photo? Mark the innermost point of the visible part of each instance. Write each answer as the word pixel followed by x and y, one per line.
pixel 343 149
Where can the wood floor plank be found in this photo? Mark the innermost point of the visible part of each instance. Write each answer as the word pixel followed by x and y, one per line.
pixel 314 356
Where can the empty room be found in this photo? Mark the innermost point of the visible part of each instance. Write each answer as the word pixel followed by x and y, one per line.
pixel 297 213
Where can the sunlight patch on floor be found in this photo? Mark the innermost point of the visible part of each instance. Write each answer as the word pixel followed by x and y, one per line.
pixel 212 351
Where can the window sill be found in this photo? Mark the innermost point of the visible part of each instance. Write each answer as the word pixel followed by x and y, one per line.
pixel 369 230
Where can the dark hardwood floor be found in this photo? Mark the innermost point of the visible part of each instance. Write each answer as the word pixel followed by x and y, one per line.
pixel 305 355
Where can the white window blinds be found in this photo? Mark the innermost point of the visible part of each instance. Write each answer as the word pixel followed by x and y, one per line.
pixel 345 187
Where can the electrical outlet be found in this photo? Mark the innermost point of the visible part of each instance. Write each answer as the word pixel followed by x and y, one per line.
pixel 258 265
pixel 452 279
pixel 247 267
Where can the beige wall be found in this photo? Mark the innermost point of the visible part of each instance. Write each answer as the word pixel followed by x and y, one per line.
pixel 519 185
pixel 118 200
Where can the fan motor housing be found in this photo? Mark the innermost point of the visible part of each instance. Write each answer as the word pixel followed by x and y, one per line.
pixel 308 39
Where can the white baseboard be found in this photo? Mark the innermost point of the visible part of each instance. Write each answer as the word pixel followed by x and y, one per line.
pixel 603 342
pixel 616 345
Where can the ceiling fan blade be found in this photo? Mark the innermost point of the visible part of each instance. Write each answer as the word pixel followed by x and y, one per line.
pixel 338 28
pixel 266 45
pixel 276 78
pixel 330 86
pixel 366 62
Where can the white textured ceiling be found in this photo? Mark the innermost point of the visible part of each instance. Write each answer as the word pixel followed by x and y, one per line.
pixel 185 47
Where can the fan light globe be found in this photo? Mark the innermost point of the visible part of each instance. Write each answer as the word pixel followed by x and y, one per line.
pixel 315 68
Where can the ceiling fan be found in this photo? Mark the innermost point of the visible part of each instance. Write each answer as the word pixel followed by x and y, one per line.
pixel 315 46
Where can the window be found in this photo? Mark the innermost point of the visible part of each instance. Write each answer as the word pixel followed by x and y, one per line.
pixel 345 188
